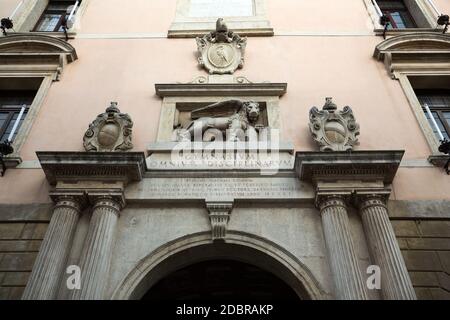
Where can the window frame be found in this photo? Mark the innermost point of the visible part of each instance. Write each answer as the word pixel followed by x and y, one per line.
pixel 11 110
pixel 31 11
pixel 424 17
pixel 438 110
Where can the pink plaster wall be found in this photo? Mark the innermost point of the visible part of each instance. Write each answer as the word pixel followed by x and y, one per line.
pixel 314 66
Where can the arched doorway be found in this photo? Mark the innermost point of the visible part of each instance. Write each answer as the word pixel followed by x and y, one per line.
pixel 197 248
pixel 221 280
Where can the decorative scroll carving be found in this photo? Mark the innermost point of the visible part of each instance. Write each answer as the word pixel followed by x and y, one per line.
pixel 219 215
pixel 221 51
pixel 235 118
pixel 333 130
pixel 111 131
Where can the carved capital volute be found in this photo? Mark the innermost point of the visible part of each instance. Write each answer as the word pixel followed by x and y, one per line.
pixel 371 200
pixel 73 200
pixel 219 215
pixel 325 201
pixel 113 201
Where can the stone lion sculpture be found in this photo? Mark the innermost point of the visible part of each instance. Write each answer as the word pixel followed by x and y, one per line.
pixel 236 118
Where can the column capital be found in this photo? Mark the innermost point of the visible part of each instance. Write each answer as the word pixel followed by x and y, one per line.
pixel 324 201
pixel 74 200
pixel 115 202
pixel 364 201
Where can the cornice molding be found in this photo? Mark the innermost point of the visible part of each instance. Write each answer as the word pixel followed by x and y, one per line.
pixel 220 89
pixel 415 52
pixel 92 166
pixel 355 165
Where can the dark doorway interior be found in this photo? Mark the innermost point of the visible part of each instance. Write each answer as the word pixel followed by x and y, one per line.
pixel 221 280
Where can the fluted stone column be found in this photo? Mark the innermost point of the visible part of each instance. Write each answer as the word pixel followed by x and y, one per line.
pixel 50 263
pixel 395 281
pixel 348 281
pixel 96 254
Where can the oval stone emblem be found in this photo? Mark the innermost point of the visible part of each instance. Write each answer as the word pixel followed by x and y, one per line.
pixel 108 134
pixel 221 55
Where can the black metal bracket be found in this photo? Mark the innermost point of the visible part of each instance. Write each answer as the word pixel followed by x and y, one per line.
pixel 445 148
pixel 5 149
pixel 384 21
pixel 6 23
pixel 444 20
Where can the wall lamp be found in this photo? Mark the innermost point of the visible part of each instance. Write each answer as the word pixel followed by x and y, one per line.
pixel 5 24
pixel 444 20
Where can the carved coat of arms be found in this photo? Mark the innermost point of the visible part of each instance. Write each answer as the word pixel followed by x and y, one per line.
pixel 110 131
pixel 333 130
pixel 221 51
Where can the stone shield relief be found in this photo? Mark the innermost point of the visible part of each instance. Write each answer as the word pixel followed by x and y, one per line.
pixel 110 131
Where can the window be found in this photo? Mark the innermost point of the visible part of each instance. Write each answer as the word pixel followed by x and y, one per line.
pixel 439 103
pixel 221 8
pixel 54 16
pixel 194 18
pixel 397 13
pixel 405 16
pixel 11 104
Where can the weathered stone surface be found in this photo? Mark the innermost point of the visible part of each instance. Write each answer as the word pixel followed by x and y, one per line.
pixel 423 293
pixel 219 188
pixel 427 209
pixel 16 293
pixel 422 260
pixel 405 228
pixel 444 257
pixel 11 230
pixel 15 279
pixel 25 212
pixel 435 228
pixel 17 261
pixel 35 231
pixel 19 245
pixel 344 264
pixel 439 294
pixel 395 281
pixel 424 279
pixel 444 280
pixel 428 243
pixel 402 243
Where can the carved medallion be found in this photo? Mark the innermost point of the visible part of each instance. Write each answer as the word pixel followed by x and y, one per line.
pixel 333 130
pixel 111 131
pixel 221 51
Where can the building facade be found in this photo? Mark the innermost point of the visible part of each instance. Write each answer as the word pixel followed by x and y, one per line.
pixel 170 149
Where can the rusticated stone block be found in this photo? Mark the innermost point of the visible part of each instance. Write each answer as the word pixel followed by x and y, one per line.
pixel 20 246
pixel 439 294
pixel 10 230
pixel 17 261
pixel 34 231
pixel 423 293
pixel 402 243
pixel 428 244
pixel 15 279
pixel 4 293
pixel 435 228
pixel 424 279
pixel 444 280
pixel 16 293
pixel 422 261
pixel 444 256
pixel 403 228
